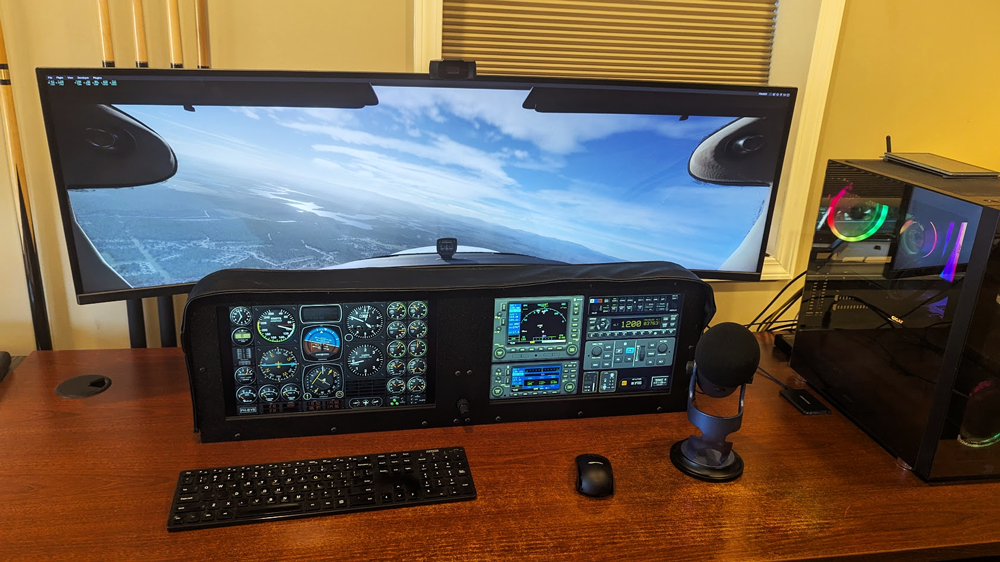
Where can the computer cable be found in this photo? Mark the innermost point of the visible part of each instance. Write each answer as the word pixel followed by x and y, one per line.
pixel 776 297
pixel 768 323
pixel 762 371
pixel 891 320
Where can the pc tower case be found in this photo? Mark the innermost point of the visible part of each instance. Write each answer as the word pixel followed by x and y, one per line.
pixel 899 326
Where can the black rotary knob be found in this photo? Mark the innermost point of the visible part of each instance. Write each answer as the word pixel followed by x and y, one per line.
pixel 463 410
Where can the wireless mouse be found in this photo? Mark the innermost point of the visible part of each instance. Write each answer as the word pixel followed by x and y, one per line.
pixel 594 477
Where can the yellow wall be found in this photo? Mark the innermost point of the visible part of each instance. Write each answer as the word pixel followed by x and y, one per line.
pixel 923 71
pixel 351 35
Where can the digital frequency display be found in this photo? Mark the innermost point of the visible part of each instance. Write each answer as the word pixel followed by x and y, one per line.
pixel 541 377
pixel 537 322
pixel 648 323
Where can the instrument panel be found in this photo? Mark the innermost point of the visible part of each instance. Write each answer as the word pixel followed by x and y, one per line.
pixel 331 356
pixel 369 355
pixel 281 354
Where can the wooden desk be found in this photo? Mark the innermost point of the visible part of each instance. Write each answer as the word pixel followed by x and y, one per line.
pixel 93 478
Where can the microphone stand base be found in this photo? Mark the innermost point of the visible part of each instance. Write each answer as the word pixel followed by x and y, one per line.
pixel 703 472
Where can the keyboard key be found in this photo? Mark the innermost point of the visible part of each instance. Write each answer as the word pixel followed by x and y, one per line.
pixel 362 499
pixel 267 510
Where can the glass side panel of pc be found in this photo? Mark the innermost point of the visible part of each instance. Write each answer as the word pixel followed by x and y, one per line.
pixel 900 320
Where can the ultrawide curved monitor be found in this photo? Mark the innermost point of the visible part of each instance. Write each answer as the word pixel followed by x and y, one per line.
pixel 166 176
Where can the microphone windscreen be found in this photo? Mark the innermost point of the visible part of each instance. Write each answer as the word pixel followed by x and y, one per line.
pixel 727 355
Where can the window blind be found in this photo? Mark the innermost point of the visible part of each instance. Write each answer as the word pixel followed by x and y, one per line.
pixel 718 41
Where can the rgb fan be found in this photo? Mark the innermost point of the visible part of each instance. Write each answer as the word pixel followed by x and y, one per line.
pixel 916 239
pixel 853 219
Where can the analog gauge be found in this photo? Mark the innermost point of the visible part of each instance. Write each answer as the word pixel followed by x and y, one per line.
pixel 417 329
pixel 396 368
pixel 269 393
pixel 291 392
pixel 417 309
pixel 276 325
pixel 246 395
pixel 278 364
pixel 416 366
pixel 321 343
pixel 365 321
pixel 395 385
pixel 242 336
pixel 365 360
pixel 396 348
pixel 396 329
pixel 396 310
pixel 245 375
pixel 322 380
pixel 416 384
pixel 240 316
pixel 417 348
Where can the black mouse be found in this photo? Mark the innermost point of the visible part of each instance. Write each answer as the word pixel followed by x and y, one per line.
pixel 593 476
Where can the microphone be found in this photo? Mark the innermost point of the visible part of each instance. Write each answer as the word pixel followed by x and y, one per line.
pixel 725 360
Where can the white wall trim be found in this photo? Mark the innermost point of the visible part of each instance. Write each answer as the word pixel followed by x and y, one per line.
pixel 792 236
pixel 427 17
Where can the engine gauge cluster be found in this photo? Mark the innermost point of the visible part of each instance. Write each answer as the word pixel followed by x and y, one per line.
pixel 337 356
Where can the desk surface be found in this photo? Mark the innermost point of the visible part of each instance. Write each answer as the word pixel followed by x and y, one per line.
pixel 93 478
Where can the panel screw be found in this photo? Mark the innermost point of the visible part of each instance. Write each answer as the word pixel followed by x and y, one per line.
pixel 455 421
pixel 659 408
pixel 333 429
pixel 580 414
pixel 201 369
pixel 469 372
pixel 498 418
pixel 237 436
pixel 458 373
pixel 423 424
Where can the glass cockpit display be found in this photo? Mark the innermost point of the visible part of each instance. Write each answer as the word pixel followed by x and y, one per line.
pixel 537 322
pixel 343 356
pixel 166 177
pixel 618 344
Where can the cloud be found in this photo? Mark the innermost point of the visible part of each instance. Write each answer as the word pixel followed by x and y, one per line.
pixel 246 111
pixel 596 216
pixel 440 149
pixel 558 133
pixel 334 116
pixel 156 122
pixel 643 212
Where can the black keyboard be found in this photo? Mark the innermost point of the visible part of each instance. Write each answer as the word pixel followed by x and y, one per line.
pixel 234 495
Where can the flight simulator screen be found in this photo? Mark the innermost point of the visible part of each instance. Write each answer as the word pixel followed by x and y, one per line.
pixel 165 177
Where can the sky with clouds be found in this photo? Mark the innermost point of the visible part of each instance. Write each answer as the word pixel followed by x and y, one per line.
pixel 615 183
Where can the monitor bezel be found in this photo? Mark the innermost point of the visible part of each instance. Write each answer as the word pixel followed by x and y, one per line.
pixel 378 78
